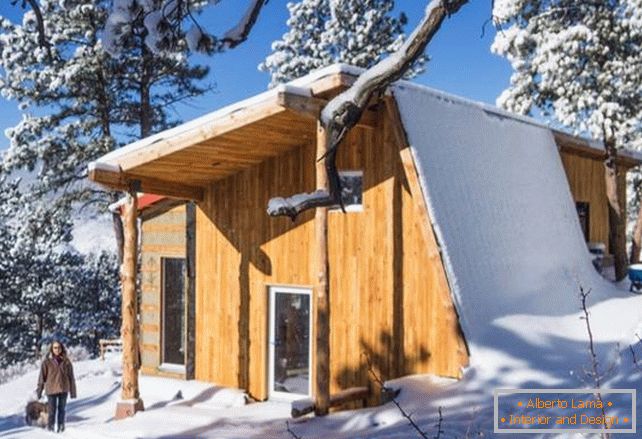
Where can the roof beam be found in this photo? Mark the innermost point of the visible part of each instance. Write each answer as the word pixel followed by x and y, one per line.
pixel 122 181
pixel 311 107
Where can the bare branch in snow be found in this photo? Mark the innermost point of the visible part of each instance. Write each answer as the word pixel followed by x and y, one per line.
pixel 394 394
pixel 594 374
pixel 343 112
pixel 292 433
pixel 240 32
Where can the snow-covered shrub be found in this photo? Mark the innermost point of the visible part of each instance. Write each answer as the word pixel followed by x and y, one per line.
pixel 17 370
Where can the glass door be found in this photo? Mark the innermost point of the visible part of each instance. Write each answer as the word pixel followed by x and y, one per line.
pixel 289 343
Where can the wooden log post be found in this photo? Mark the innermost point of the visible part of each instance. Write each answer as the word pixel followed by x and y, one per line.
pixel 321 289
pixel 130 398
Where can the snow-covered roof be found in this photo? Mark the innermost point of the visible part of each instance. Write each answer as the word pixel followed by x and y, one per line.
pixel 502 210
pixel 298 86
pixel 302 86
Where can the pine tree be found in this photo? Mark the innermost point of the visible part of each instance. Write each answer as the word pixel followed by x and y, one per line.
pixel 324 32
pixel 79 102
pixel 92 309
pixel 578 63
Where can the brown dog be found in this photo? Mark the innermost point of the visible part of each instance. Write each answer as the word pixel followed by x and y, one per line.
pixel 36 413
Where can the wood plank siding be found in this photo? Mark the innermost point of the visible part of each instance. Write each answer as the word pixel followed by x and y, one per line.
pixel 162 236
pixel 389 298
pixel 586 180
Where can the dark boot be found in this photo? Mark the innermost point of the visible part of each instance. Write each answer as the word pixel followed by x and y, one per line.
pixel 61 428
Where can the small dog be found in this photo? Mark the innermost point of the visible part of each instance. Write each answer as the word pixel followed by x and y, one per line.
pixel 36 414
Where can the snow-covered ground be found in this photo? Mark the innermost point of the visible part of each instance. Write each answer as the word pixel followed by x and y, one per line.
pixel 192 409
pixel 201 410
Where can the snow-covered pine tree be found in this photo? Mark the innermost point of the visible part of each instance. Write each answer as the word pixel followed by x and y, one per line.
pixel 47 288
pixel 35 269
pixel 323 32
pixel 92 308
pixel 80 103
pixel 579 64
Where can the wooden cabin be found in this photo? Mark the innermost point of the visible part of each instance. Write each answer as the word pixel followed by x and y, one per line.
pixel 256 277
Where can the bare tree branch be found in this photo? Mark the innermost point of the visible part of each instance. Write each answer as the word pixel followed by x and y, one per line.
pixel 595 373
pixel 343 112
pixel 403 412
pixel 239 33
pixel 292 433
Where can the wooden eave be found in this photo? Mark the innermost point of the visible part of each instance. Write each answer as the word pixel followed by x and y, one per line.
pixel 182 162
pixel 585 148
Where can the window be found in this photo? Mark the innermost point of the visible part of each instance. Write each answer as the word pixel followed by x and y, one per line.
pixel 351 191
pixel 583 214
pixel 173 317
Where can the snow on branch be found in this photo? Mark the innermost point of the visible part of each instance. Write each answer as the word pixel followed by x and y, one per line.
pixel 298 203
pixel 240 32
pixel 166 21
pixel 343 112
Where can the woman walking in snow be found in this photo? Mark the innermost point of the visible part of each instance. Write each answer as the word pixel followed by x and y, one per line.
pixel 57 379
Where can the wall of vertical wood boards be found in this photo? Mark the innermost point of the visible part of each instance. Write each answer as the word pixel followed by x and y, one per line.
pixel 586 180
pixel 162 236
pixel 389 297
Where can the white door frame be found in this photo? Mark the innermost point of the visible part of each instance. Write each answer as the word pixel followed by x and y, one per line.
pixel 272 394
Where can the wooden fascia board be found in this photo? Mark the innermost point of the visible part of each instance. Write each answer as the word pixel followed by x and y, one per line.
pixel 124 182
pixel 181 141
pixel 573 145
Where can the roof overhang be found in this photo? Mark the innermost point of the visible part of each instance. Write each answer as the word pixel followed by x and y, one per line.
pixel 593 149
pixel 183 161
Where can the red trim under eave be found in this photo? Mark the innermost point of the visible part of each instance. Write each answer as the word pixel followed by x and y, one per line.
pixel 147 200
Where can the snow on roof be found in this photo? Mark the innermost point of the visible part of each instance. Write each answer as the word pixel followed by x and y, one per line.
pixel 301 86
pixel 298 86
pixel 504 216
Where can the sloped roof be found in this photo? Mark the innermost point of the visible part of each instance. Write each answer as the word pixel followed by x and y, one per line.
pixel 181 161
pixel 504 216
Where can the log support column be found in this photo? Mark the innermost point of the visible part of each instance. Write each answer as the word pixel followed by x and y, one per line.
pixel 130 398
pixel 321 288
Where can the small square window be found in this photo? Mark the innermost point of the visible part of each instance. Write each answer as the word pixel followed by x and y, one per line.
pixel 351 191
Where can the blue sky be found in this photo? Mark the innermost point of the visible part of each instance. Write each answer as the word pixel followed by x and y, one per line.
pixel 461 62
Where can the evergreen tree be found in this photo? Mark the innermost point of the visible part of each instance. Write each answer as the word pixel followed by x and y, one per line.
pixel 80 103
pixel 324 32
pixel 579 64
pixel 92 309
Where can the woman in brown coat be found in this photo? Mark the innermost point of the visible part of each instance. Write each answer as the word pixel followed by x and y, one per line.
pixel 57 379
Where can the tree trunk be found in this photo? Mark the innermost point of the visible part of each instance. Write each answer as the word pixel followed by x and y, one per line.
pixel 39 330
pixel 117 224
pixel 128 332
pixel 617 232
pixel 145 114
pixel 321 289
pixel 636 243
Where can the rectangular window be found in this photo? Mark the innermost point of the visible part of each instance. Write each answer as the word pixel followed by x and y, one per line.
pixel 351 191
pixel 583 215
pixel 173 311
